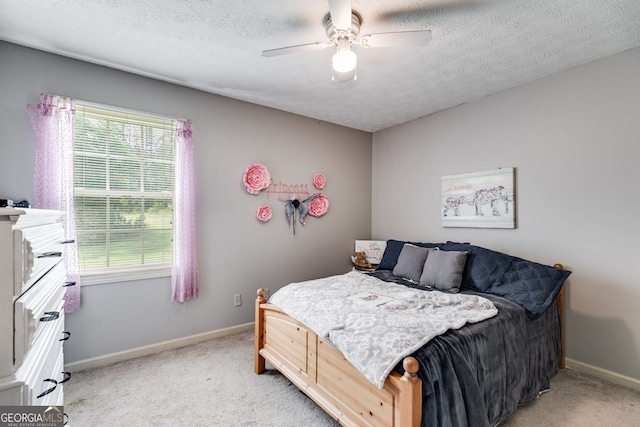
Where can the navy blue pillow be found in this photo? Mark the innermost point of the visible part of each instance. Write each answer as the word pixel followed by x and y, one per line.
pixel 393 249
pixel 390 255
pixel 534 286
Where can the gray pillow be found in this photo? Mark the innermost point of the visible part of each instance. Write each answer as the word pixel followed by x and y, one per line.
pixel 443 270
pixel 411 262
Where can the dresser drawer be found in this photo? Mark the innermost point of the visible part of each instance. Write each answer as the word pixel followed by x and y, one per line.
pixel 38 312
pixel 42 370
pixel 36 251
pixel 48 393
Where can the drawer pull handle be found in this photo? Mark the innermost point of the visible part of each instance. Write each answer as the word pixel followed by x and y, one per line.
pixel 67 242
pixel 49 316
pixel 67 377
pixel 67 335
pixel 69 284
pixel 50 254
pixel 49 390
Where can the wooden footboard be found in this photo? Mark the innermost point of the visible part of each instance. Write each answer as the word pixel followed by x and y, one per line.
pixel 323 374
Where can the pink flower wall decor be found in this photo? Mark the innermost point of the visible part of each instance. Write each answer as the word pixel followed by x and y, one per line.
pixel 319 205
pixel 256 178
pixel 264 213
pixel 319 181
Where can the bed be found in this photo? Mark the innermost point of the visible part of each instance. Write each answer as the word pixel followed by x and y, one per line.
pixel 476 374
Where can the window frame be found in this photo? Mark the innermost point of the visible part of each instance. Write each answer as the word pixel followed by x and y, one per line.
pixel 105 275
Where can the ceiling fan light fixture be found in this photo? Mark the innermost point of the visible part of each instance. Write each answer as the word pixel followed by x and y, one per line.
pixel 344 60
pixel 343 35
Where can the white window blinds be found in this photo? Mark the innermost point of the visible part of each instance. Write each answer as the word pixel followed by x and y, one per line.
pixel 124 180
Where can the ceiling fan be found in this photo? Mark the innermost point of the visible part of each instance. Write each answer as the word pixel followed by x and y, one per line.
pixel 342 27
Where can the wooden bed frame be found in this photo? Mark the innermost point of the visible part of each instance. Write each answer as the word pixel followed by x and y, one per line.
pixel 330 380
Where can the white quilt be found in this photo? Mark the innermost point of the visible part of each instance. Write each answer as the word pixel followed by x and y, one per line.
pixel 375 338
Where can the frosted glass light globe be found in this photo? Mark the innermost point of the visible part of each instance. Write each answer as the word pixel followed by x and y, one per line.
pixel 344 60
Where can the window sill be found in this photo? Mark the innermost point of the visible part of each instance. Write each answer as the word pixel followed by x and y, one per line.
pixel 101 278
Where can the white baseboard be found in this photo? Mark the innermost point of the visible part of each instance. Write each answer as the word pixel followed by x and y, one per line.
pixel 612 377
pixel 120 356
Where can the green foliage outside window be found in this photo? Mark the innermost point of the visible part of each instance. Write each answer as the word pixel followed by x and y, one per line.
pixel 124 176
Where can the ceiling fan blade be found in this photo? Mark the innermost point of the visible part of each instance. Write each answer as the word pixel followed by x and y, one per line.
pixel 340 11
pixel 396 39
pixel 295 49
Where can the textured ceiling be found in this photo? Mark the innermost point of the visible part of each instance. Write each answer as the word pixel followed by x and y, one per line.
pixel 479 47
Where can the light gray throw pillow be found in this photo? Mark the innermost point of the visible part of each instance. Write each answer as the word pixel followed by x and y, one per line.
pixel 443 270
pixel 411 262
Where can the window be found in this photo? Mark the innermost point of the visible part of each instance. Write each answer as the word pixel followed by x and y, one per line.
pixel 124 181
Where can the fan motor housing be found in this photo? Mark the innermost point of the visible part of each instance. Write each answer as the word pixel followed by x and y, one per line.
pixel 335 34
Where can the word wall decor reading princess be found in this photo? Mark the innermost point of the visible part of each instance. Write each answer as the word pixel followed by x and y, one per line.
pixel 257 180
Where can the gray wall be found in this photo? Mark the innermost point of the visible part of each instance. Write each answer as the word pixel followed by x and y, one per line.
pixel 237 253
pixel 574 139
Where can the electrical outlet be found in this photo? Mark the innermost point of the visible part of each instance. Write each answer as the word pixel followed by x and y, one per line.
pixel 237 300
pixel 267 293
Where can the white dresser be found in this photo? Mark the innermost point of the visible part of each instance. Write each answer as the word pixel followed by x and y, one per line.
pixel 32 287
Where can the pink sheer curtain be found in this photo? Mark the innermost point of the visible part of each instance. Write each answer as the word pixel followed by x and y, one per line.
pixel 184 275
pixel 53 126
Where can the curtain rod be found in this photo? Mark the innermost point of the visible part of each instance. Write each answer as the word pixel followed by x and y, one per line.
pixel 125 109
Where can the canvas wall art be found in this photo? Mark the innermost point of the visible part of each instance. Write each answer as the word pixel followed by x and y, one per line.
pixel 480 199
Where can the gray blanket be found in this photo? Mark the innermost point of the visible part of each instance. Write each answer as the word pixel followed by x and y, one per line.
pixel 479 374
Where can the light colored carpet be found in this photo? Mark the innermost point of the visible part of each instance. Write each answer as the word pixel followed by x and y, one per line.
pixel 213 384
